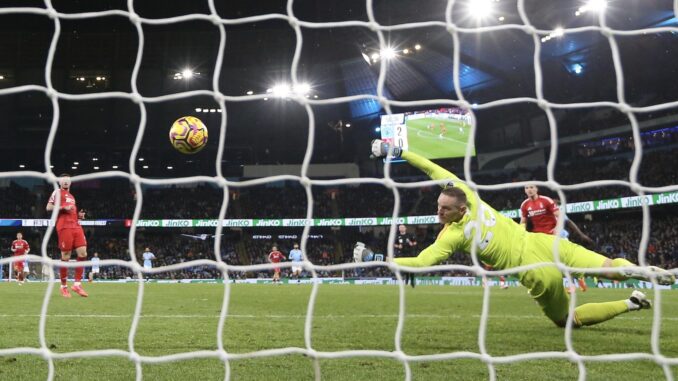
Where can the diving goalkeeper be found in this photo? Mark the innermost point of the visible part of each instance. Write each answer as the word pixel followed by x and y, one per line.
pixel 505 244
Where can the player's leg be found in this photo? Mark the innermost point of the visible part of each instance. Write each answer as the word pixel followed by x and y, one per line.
pixel 582 284
pixel 81 250
pixel 578 256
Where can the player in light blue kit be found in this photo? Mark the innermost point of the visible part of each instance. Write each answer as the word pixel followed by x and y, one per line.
pixel 296 257
pixel 95 267
pixel 148 256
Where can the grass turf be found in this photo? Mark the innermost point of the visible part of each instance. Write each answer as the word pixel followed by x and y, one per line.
pixel 428 142
pixel 180 318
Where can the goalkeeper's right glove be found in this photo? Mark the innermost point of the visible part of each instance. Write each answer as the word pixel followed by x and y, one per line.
pixel 380 149
pixel 361 253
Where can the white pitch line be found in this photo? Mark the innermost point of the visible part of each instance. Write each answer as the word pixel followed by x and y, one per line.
pixel 361 316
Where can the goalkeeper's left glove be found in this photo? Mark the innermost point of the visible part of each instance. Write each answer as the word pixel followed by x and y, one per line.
pixel 380 149
pixel 361 253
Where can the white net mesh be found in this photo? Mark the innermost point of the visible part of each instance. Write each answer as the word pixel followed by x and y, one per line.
pixel 398 354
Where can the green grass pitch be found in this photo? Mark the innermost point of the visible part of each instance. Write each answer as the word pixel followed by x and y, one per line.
pixel 184 317
pixel 429 143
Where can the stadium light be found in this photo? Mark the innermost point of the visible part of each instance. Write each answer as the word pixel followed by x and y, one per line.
pixel 592 6
pixel 96 168
pixel 74 167
pixel 577 68
pixel 76 163
pixel 302 89
pixel 187 73
pixel 374 56
pixel 141 159
pixel 249 92
pixel 265 98
pixel 198 109
pixel 406 51
pixel 281 90
pixel 95 159
pixel 501 18
pixel 417 47
pixel 348 125
pixel 480 9
pixel 558 32
pixel 115 167
pixel 2 77
pixel 213 110
pixel 388 53
pixel 377 129
pixel 170 167
pixel 22 166
pixel 145 166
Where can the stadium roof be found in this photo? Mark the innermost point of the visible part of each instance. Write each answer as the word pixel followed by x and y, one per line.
pixel 97 55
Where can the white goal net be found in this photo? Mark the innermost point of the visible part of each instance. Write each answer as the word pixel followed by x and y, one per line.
pixel 526 25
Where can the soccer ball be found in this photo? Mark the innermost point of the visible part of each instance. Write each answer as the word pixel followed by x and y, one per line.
pixel 188 135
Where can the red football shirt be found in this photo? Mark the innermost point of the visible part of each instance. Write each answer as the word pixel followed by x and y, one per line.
pixel 276 256
pixel 20 247
pixel 67 219
pixel 541 213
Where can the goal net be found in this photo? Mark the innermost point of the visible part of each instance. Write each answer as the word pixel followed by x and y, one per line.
pixel 518 21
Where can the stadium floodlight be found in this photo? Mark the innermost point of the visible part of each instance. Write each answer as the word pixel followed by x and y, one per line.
pixel 501 18
pixel 348 125
pixel 265 98
pixel 22 166
pixel 596 5
pixel 198 109
pixel 187 73
pixel 170 167
pixel 406 51
pixel 213 110
pixel 115 167
pixel 76 163
pixel 417 47
pixel 388 53
pixel 281 90
pixel 558 32
pixel 374 56
pixel 218 110
pixel 302 89
pixel 141 159
pixel 96 168
pixel 577 68
pixel 2 77
pixel 249 92
pixel 145 166
pixel 480 9
pixel 74 167
pixel 95 159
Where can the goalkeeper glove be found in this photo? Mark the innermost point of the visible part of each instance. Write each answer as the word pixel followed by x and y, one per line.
pixel 361 253
pixel 380 149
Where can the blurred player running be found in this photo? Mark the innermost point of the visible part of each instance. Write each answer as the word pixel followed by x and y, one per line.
pixel 276 256
pixel 70 234
pixel 504 244
pixel 19 247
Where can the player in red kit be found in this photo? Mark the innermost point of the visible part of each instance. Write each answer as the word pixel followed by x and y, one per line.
pixel 276 257
pixel 70 234
pixel 540 214
pixel 19 247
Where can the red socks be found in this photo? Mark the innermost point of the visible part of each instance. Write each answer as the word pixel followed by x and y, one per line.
pixel 63 271
pixel 79 270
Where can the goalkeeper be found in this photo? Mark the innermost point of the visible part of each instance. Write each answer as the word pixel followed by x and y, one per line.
pixel 505 244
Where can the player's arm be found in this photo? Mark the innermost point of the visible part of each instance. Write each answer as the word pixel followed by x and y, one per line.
pixel 573 227
pixel 439 251
pixel 81 214
pixel 556 213
pixel 28 248
pixel 434 171
pixel 13 248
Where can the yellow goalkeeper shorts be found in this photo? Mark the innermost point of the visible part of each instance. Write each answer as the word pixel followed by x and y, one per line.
pixel 546 283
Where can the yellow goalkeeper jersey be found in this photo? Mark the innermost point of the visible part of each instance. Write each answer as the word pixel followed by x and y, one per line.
pixel 501 238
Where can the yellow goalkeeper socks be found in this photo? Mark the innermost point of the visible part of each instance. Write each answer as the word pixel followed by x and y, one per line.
pixel 594 313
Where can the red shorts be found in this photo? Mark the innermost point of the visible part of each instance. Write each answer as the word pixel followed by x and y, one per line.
pixel 70 239
pixel 19 265
pixel 276 270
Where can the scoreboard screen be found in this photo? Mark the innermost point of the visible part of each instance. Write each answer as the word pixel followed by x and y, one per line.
pixel 433 134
